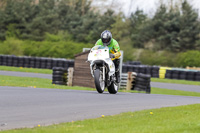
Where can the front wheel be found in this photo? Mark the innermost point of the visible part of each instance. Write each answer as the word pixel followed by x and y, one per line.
pixel 98 80
pixel 113 88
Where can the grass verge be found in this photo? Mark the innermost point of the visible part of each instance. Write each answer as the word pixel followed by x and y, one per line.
pixel 186 82
pixel 34 83
pixel 22 69
pixel 165 120
pixel 47 83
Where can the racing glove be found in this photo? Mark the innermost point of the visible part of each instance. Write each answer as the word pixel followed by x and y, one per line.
pixel 112 56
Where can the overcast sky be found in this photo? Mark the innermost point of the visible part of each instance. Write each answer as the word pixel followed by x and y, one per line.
pixel 148 6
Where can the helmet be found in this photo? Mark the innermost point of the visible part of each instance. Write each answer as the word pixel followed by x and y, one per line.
pixel 106 37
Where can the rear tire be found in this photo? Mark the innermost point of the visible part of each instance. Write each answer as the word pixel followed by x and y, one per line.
pixel 98 80
pixel 113 88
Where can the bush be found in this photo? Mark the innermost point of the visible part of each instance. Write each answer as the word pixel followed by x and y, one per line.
pixel 189 58
pixel 163 58
pixel 11 46
pixel 58 46
pixel 60 49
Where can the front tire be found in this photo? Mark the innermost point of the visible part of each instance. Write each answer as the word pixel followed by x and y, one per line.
pixel 98 80
pixel 113 88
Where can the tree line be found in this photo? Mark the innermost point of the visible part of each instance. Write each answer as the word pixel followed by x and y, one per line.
pixel 175 28
pixel 29 19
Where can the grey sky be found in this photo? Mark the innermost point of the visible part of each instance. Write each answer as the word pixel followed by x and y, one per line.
pixel 149 6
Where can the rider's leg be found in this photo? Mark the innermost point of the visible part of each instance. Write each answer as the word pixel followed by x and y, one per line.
pixel 117 72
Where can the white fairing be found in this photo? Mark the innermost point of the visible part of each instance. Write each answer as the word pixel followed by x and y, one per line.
pixel 101 53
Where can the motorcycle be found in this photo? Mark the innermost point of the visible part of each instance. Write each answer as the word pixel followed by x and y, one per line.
pixel 103 69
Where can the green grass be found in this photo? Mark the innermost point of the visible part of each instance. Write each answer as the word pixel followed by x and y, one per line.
pixel 34 83
pixel 47 83
pixel 22 69
pixel 182 119
pixel 175 81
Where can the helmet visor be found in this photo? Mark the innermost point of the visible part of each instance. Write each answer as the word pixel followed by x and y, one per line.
pixel 106 40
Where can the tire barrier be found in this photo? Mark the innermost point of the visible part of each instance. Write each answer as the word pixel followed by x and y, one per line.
pixel 168 74
pixel 155 71
pixel 134 81
pixel 35 62
pixel 135 66
pixel 142 83
pixel 197 76
pixel 150 70
pixel 183 74
pixel 162 72
pixel 59 76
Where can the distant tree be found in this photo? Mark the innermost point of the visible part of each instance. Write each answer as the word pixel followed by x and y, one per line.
pixel 45 19
pixel 173 29
pixel 189 27
pixel 166 28
pixel 83 23
pixel 137 23
pixel 2 25
pixel 120 29
pixel 29 20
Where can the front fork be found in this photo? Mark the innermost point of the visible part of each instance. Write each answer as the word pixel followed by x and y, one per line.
pixel 104 74
pixel 95 67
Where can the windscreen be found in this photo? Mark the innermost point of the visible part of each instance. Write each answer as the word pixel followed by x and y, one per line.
pixel 98 47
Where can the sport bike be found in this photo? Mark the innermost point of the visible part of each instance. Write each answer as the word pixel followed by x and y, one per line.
pixel 103 69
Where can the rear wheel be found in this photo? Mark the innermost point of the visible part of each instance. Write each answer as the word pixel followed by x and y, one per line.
pixel 113 88
pixel 98 79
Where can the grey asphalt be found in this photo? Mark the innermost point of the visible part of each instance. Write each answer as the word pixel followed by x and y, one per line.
pixel 27 107
pixel 26 74
pixel 193 88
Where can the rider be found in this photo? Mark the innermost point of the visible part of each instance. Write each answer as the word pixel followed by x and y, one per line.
pixel 114 50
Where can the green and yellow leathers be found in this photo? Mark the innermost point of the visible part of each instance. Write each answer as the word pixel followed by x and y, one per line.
pixel 113 47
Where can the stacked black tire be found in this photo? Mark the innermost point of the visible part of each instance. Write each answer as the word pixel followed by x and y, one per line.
pixel 183 75
pixel 150 70
pixel 35 62
pixel 197 76
pixel 142 83
pixel 59 76
pixel 155 71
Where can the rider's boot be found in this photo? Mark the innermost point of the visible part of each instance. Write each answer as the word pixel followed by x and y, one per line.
pixel 117 72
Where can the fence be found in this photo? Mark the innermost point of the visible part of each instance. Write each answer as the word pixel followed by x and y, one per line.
pixel 124 78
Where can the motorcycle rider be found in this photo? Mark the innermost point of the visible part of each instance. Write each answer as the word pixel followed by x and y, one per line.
pixel 114 50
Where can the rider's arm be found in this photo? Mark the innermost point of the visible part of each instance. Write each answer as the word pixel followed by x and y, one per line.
pixel 117 52
pixel 117 55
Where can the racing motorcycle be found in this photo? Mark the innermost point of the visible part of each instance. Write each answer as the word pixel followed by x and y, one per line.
pixel 103 69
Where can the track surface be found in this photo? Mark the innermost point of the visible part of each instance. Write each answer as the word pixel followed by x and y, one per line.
pixel 26 74
pixel 193 88
pixel 28 107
